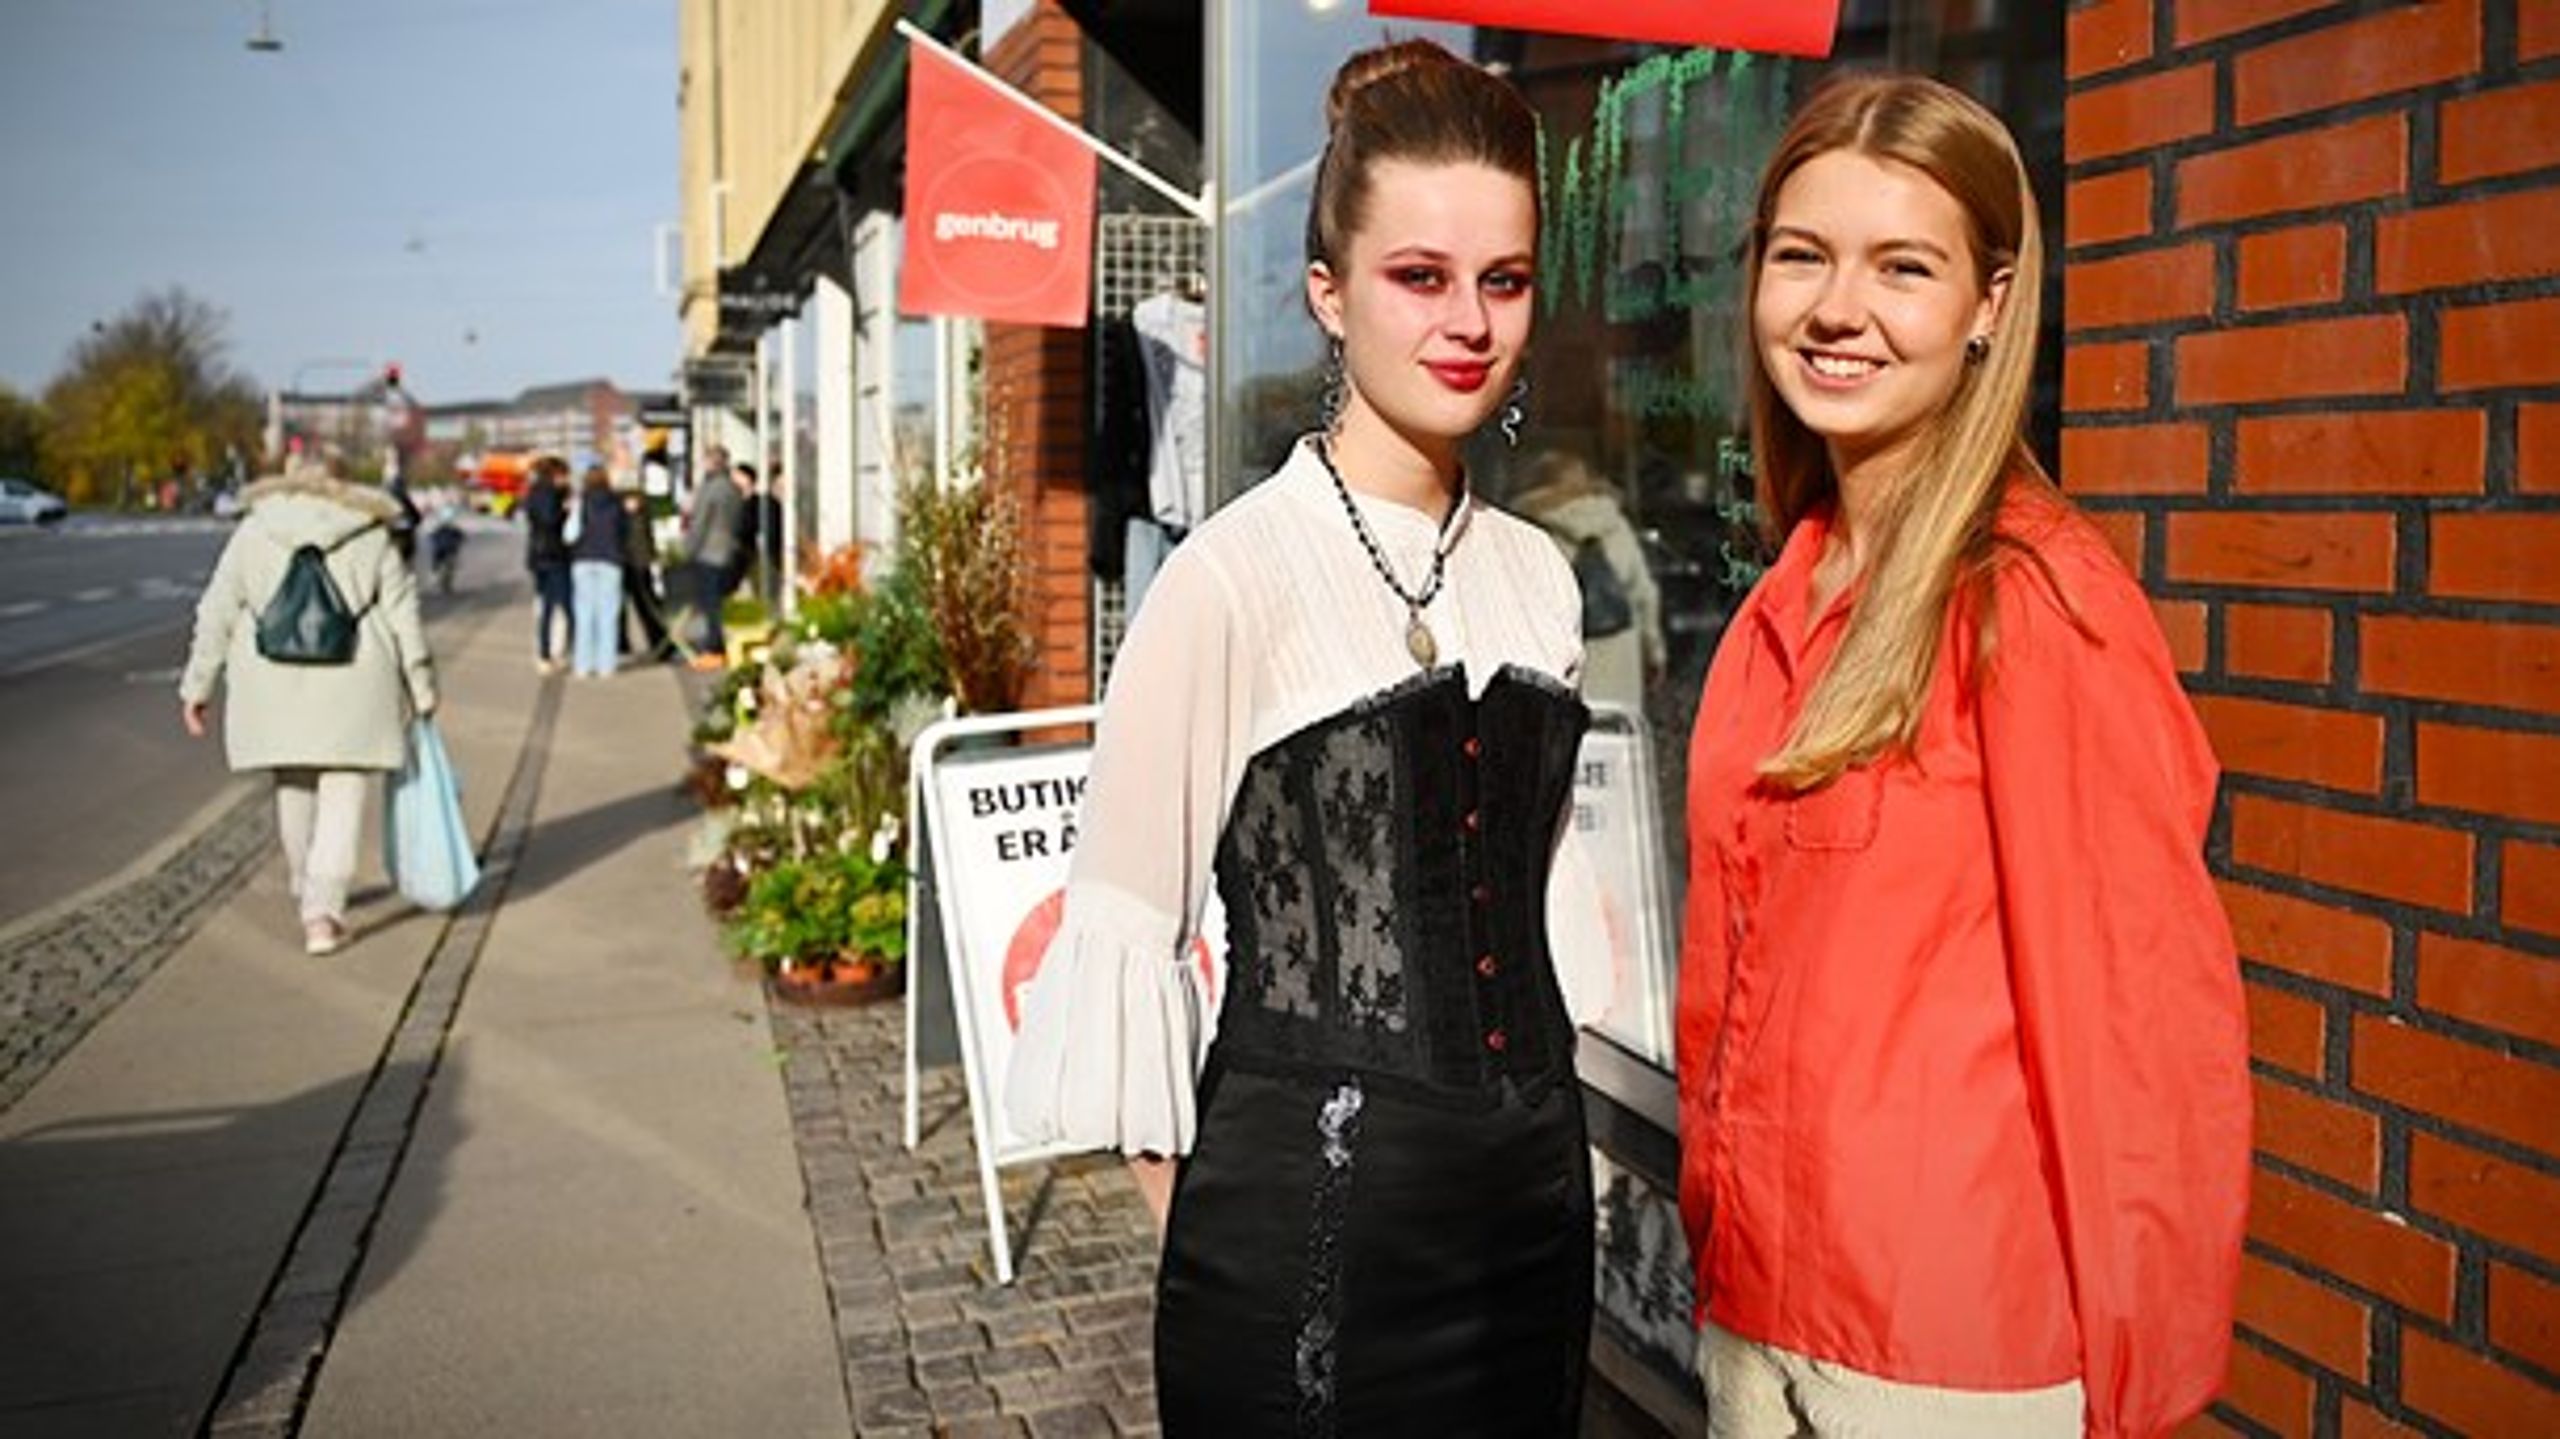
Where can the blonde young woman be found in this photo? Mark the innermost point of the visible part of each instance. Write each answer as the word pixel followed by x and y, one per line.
pixel 1962 1057
pixel 1348 704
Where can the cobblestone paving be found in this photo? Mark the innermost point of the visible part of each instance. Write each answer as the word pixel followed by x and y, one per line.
pixel 932 1345
pixel 61 977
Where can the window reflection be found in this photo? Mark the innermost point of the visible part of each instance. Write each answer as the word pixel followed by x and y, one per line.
pixel 1650 161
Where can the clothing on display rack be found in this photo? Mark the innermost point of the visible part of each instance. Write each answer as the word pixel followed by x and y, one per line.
pixel 1173 344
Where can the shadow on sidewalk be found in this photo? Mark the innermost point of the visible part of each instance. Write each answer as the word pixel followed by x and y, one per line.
pixel 557 849
pixel 154 1246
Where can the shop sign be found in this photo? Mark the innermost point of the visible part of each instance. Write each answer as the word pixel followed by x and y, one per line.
pixel 1775 27
pixel 1002 826
pixel 715 382
pixel 999 204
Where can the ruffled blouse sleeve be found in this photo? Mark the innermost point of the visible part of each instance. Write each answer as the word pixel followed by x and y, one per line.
pixel 1115 1022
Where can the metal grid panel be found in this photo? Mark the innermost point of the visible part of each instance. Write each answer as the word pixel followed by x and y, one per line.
pixel 1135 255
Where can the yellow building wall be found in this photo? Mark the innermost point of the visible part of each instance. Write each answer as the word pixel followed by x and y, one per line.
pixel 760 83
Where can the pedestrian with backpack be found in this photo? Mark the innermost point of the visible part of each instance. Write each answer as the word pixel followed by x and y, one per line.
pixel 310 623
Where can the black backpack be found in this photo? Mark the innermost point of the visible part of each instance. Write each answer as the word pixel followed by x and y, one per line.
pixel 1606 608
pixel 306 621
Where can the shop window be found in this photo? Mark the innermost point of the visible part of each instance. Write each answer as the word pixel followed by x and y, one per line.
pixel 1651 156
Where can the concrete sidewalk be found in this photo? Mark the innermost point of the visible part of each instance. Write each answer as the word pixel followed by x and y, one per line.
pixel 528 1169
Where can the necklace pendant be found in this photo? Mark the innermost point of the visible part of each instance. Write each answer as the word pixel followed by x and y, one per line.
pixel 1419 643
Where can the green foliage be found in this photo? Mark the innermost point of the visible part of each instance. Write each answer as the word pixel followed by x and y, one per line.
pixel 839 903
pixel 835 616
pixel 898 651
pixel 145 393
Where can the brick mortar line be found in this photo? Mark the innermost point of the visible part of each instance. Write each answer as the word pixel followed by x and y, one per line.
pixel 269 1380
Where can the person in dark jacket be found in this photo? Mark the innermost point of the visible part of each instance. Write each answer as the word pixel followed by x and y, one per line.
pixel 640 580
pixel 546 553
pixel 595 574
pixel 711 551
pixel 764 507
pixel 742 565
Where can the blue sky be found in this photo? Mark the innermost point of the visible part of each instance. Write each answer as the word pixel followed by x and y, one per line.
pixel 469 187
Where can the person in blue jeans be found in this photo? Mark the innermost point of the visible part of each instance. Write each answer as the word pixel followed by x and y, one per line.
pixel 545 508
pixel 595 575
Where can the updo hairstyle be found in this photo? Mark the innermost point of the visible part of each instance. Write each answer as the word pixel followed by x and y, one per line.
pixel 1411 100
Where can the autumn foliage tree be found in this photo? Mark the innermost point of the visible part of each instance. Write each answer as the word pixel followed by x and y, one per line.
pixel 146 393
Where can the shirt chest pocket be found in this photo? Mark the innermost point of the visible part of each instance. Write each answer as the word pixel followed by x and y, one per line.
pixel 1842 815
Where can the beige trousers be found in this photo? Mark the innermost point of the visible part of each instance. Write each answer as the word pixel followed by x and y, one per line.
pixel 1758 1392
pixel 318 815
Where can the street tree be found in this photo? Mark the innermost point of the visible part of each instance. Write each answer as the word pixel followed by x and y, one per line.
pixel 21 435
pixel 147 393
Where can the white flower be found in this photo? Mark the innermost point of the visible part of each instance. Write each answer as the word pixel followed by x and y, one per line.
pixel 884 839
pixel 737 776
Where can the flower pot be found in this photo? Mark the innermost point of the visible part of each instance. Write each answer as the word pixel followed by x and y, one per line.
pixel 836 982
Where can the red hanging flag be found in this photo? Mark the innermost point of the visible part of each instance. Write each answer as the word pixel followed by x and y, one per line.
pixel 1775 27
pixel 999 204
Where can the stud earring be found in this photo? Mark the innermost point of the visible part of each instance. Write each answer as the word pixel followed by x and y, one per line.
pixel 1977 349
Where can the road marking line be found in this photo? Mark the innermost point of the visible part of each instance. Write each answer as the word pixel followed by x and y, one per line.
pixel 24 608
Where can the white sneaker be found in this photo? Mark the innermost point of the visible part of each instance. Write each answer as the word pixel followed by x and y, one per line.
pixel 323 936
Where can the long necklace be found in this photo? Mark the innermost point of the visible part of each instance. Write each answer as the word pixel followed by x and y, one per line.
pixel 1418 640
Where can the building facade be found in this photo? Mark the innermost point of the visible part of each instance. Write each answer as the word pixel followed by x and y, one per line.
pixel 2303 363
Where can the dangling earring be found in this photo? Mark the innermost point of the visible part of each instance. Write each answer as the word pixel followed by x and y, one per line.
pixel 1513 416
pixel 1337 390
pixel 1977 349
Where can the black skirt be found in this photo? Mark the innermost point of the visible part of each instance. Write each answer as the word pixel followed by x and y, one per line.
pixel 1346 1257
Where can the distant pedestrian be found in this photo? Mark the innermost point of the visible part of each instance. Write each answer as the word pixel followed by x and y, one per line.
pixel 640 581
pixel 444 543
pixel 318 726
pixel 545 508
pixel 595 574
pixel 770 538
pixel 742 570
pixel 711 556
pixel 404 528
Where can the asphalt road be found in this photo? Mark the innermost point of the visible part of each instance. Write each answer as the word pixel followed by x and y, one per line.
pixel 94 769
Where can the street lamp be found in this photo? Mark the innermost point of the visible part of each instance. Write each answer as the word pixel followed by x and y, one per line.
pixel 264 41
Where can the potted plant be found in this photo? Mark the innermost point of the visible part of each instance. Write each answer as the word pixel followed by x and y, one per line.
pixel 828 928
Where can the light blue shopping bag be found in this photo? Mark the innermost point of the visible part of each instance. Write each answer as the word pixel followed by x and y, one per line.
pixel 425 842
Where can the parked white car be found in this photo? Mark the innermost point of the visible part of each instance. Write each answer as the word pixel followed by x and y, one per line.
pixel 23 502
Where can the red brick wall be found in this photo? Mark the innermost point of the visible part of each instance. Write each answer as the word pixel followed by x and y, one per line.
pixel 2312 298
pixel 1035 397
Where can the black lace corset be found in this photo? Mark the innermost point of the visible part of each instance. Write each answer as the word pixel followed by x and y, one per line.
pixel 1384 872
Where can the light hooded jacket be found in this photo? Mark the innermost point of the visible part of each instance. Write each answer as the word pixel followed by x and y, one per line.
pixel 1614 666
pixel 1962 1055
pixel 346 716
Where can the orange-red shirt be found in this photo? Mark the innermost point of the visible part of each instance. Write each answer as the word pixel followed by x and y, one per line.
pixel 1962 1054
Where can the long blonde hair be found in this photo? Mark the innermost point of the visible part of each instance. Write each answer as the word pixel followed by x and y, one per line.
pixel 1934 544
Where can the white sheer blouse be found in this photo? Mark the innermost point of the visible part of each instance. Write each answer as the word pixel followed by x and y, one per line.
pixel 1268 617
